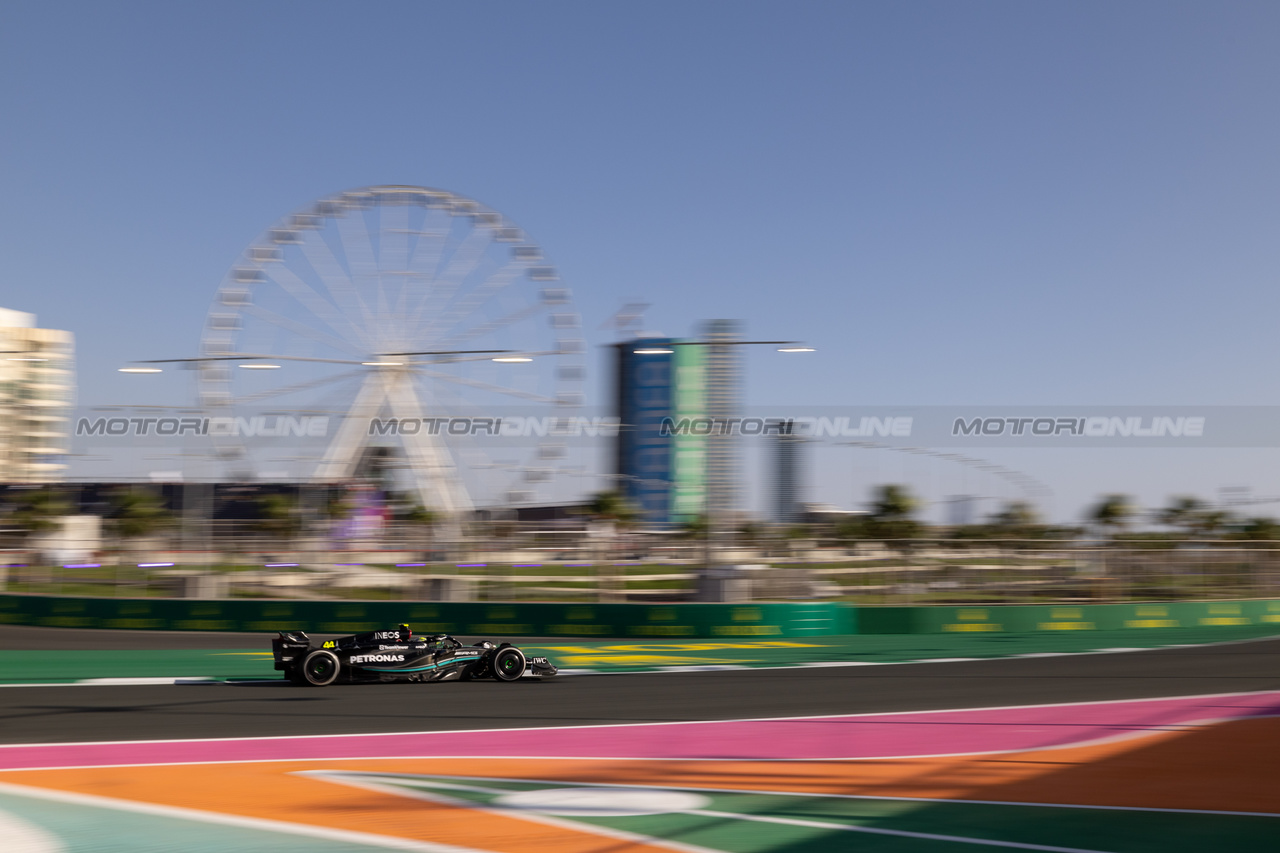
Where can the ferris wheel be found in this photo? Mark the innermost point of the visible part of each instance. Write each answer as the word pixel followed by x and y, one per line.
pixel 395 303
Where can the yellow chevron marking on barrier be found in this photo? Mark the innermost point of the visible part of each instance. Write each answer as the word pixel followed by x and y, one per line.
pixel 1152 623
pixel 581 628
pixel 1066 626
pixel 745 630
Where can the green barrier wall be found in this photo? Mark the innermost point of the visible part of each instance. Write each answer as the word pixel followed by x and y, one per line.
pixel 763 620
pixel 702 621
pixel 1022 619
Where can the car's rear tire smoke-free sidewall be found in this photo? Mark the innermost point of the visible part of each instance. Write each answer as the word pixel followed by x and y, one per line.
pixel 321 668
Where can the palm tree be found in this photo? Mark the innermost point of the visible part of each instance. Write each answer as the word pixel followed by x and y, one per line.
pixel 1182 513
pixel 695 527
pixel 1018 520
pixel 612 506
pixel 1112 513
pixel 1016 516
pixel 1260 528
pixel 891 511
pixel 135 514
pixel 279 516
pixel 893 502
pixel 36 511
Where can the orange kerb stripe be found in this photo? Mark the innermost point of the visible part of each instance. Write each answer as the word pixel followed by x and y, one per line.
pixel 1216 767
pixel 270 791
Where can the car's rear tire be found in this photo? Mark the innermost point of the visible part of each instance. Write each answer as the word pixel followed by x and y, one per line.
pixel 508 664
pixel 321 668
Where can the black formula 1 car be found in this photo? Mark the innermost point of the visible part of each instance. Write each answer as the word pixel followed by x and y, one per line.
pixel 399 656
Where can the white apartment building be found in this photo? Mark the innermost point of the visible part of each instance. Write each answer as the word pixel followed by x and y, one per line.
pixel 37 386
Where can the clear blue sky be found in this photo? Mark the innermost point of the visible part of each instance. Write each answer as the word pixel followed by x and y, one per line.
pixel 958 203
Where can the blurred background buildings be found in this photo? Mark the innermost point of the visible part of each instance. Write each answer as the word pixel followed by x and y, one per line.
pixel 37 385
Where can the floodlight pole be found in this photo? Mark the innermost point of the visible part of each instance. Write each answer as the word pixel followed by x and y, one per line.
pixel 722 381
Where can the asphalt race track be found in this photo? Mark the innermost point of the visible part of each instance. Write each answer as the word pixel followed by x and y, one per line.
pixel 62 714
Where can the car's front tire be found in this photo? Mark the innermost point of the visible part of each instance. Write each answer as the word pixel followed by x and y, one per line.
pixel 321 668
pixel 508 664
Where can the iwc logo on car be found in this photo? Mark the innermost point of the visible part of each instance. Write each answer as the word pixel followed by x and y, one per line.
pixel 377 658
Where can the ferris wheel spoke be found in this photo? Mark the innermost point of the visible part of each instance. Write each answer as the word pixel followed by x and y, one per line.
pixel 498 281
pixel 493 325
pixel 300 386
pixel 427 253
pixel 335 278
pixel 393 267
pixel 382 311
pixel 430 246
pixel 485 386
pixel 300 329
pixel 464 260
pixel 362 265
pixel 393 239
pixel 322 309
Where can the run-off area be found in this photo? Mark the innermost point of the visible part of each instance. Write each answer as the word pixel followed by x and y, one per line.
pixel 1168 774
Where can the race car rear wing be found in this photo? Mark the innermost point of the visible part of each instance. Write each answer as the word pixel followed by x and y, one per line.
pixel 289 648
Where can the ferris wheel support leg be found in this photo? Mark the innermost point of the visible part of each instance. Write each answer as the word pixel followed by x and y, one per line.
pixel 343 455
pixel 430 463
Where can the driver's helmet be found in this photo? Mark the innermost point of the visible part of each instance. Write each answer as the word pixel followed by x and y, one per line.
pixel 405 634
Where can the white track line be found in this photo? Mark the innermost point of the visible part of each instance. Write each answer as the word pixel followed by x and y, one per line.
pixel 233 820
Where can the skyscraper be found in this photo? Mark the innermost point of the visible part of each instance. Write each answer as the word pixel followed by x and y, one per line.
pixel 787 478
pixel 644 397
pixel 37 383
